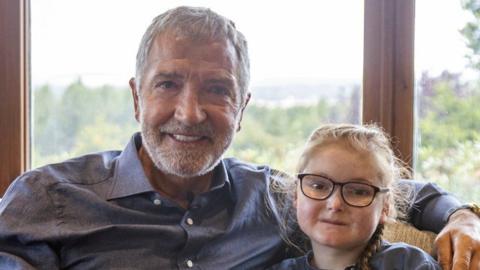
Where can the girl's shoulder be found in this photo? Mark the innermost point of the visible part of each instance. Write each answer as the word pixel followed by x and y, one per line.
pixel 403 256
pixel 298 263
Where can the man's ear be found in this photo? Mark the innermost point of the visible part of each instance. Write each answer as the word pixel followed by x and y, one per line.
pixel 244 105
pixel 136 106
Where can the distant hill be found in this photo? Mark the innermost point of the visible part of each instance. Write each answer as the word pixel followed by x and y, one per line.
pixel 295 94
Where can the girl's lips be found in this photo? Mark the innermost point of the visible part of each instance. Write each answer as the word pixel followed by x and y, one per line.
pixel 333 222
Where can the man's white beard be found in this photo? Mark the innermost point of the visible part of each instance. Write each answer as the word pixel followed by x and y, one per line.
pixel 190 162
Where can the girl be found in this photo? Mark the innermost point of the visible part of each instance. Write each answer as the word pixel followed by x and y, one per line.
pixel 344 193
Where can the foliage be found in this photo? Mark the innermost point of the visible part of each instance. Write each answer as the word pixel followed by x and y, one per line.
pixel 77 120
pixel 471 32
pixel 449 143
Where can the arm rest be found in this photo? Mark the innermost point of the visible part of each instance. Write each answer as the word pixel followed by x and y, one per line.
pixel 402 232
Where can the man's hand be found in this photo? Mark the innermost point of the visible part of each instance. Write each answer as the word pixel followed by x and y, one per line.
pixel 458 244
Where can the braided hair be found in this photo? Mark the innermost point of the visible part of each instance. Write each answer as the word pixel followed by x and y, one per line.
pixel 372 247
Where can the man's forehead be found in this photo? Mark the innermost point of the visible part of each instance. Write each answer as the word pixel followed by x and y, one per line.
pixel 172 46
pixel 173 54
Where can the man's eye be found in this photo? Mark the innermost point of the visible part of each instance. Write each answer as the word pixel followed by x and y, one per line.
pixel 218 90
pixel 166 84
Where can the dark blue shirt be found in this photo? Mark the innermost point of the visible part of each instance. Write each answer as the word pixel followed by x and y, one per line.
pixel 100 212
pixel 397 256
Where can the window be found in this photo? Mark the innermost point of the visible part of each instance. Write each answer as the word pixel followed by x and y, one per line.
pixel 306 69
pixel 386 64
pixel 447 96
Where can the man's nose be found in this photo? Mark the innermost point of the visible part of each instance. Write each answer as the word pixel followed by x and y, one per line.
pixel 189 109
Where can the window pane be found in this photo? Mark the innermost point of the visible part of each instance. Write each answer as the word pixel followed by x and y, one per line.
pixel 306 60
pixel 448 96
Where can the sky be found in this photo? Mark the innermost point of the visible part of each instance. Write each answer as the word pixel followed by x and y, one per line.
pixel 316 40
pixel 438 43
pixel 308 41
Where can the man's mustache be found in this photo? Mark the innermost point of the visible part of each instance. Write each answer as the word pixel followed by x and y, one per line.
pixel 175 127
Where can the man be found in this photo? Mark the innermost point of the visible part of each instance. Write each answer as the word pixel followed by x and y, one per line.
pixel 168 200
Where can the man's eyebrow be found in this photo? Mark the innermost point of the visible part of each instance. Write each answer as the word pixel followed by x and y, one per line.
pixel 223 78
pixel 228 81
pixel 169 75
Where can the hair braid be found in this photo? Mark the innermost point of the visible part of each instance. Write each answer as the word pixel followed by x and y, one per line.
pixel 363 262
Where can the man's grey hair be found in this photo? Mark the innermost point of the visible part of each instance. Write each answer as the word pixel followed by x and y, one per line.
pixel 196 23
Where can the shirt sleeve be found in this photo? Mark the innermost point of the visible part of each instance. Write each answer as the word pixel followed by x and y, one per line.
pixel 431 206
pixel 27 227
pixel 403 256
pixel 427 266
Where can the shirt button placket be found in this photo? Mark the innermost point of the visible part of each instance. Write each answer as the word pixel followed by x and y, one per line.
pixel 186 257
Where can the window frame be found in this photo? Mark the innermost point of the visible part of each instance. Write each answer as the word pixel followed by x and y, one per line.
pixel 14 84
pixel 387 79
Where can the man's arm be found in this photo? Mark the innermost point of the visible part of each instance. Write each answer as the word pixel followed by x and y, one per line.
pixel 27 227
pixel 431 206
pixel 458 240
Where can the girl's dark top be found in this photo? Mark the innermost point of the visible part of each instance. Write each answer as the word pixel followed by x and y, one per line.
pixel 396 256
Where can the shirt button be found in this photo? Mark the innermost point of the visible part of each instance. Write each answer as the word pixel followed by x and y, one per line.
pixel 157 202
pixel 189 264
pixel 189 221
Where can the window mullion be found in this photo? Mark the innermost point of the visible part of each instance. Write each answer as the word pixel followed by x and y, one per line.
pixel 388 71
pixel 13 91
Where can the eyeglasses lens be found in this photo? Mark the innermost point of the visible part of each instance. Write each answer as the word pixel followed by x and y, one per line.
pixel 320 188
pixel 358 194
pixel 316 187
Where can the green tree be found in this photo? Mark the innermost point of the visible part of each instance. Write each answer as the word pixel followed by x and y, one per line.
pixel 78 120
pixel 471 32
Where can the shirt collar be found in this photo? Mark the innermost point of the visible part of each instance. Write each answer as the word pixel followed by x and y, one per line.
pixel 308 258
pixel 221 180
pixel 130 178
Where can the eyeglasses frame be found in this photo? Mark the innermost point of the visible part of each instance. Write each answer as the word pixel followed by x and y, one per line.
pixel 376 189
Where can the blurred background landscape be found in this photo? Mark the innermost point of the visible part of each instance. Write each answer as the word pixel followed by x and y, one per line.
pixel 81 102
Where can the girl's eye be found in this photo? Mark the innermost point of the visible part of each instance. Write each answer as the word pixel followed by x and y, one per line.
pixel 319 186
pixel 360 192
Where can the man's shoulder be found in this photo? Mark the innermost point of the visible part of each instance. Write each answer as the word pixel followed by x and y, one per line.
pixel 238 168
pixel 86 169
pixel 236 164
pixel 241 172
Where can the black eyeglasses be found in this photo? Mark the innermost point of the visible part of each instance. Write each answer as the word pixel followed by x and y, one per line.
pixel 356 194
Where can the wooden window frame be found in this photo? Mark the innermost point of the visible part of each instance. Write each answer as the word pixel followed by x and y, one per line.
pixel 387 79
pixel 14 84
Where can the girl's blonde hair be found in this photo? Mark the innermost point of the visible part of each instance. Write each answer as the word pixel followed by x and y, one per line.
pixel 366 139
